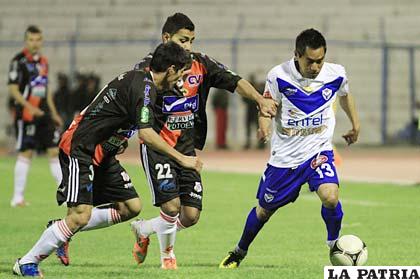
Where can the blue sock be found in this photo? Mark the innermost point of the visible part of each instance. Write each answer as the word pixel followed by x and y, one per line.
pixel 252 227
pixel 332 218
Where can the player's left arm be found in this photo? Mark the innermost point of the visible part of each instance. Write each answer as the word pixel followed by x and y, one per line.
pixel 54 114
pixel 348 104
pixel 267 106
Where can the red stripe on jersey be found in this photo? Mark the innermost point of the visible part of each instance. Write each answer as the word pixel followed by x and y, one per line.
pixel 194 79
pixel 65 142
pixel 99 155
pixel 171 137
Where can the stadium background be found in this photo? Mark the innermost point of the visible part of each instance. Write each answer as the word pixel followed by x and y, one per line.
pixel 378 42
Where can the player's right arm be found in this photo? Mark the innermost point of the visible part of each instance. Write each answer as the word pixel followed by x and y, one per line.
pixel 145 118
pixel 152 139
pixel 15 74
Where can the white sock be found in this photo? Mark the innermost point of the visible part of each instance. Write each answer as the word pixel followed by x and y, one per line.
pixel 21 173
pixel 148 226
pixel 52 238
pixel 165 228
pixel 101 218
pixel 56 170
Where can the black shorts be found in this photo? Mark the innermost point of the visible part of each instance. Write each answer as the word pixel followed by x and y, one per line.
pixel 84 183
pixel 168 180
pixel 36 135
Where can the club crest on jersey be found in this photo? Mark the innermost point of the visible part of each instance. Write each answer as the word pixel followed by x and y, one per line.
pixel 194 80
pixel 268 197
pixel 326 93
pixel 172 104
pixel 317 161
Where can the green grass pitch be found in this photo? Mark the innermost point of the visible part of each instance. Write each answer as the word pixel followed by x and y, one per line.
pixel 291 245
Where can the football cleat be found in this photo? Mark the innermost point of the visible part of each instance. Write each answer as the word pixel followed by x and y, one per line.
pixel 62 252
pixel 169 264
pixel 29 269
pixel 141 244
pixel 22 203
pixel 232 260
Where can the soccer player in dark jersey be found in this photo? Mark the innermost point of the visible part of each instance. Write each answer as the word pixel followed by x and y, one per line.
pixel 36 117
pixel 91 174
pixel 177 191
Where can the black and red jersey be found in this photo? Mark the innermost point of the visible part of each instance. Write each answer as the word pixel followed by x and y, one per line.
pixel 118 110
pixel 181 113
pixel 30 73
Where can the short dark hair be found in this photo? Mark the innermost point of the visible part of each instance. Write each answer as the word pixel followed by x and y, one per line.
pixel 309 38
pixel 167 55
pixel 32 29
pixel 177 22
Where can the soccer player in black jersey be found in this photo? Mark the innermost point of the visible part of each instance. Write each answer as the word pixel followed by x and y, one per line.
pixel 36 117
pixel 178 191
pixel 91 174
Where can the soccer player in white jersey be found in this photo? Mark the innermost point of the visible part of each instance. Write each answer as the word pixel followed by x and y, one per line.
pixel 301 148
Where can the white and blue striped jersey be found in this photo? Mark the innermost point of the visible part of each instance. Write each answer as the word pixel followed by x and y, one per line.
pixel 305 119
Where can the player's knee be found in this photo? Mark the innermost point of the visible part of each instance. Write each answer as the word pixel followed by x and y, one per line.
pixel 262 214
pixel 129 209
pixel 189 220
pixel 172 207
pixel 330 201
pixel 79 219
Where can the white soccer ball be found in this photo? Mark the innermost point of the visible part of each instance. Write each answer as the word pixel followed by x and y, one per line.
pixel 349 250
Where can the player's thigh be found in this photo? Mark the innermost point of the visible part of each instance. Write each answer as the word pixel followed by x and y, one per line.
pixel 279 187
pixel 113 184
pixel 323 177
pixel 161 173
pixel 191 190
pixel 77 184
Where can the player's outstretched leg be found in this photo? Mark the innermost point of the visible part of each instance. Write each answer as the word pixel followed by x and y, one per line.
pixel 252 226
pixel 62 252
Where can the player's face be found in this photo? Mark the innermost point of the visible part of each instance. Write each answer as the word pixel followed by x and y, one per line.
pixel 183 37
pixel 33 42
pixel 310 63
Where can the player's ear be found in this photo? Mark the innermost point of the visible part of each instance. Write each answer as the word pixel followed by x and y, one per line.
pixel 296 54
pixel 171 70
pixel 166 37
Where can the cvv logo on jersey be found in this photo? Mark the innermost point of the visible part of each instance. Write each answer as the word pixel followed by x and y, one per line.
pixel 172 104
pixel 194 80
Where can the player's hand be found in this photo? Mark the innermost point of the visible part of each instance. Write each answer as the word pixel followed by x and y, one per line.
pixel 191 162
pixel 351 136
pixel 34 111
pixel 268 107
pixel 57 120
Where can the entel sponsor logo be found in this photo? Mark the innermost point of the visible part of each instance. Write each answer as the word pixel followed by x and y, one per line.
pixel 309 121
pixel 194 80
pixel 316 162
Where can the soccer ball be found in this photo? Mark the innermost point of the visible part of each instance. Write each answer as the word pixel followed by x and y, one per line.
pixel 349 250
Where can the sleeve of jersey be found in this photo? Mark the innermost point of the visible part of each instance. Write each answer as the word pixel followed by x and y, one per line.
pixel 14 72
pixel 344 88
pixel 145 106
pixel 220 76
pixel 271 89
